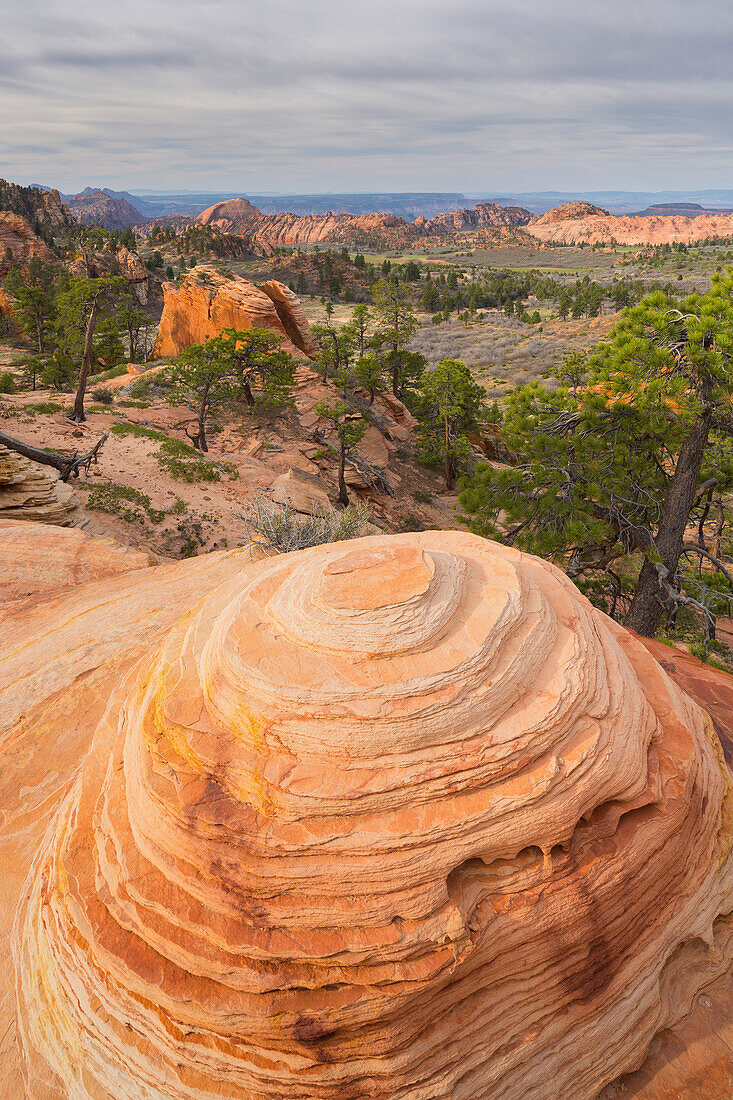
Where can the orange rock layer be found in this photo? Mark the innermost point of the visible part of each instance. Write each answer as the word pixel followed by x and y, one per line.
pixel 272 230
pixel 20 243
pixel 576 223
pixel 207 302
pixel 403 818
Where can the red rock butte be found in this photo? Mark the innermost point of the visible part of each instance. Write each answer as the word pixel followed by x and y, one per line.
pixel 399 818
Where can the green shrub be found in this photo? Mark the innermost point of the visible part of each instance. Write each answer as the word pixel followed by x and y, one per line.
pixel 44 407
pixel 103 395
pixel 129 504
pixel 179 459
pixel 7 383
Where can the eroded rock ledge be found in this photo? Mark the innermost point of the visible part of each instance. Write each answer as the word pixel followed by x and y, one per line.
pixel 403 818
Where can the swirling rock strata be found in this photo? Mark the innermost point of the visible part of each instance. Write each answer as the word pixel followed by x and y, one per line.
pixel 403 818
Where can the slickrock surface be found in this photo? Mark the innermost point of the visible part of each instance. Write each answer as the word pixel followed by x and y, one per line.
pixel 32 492
pixel 208 302
pixel 401 818
pixel 35 562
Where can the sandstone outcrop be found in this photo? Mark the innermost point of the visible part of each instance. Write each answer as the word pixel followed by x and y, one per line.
pixel 37 560
pixel 272 230
pixel 400 818
pixel 240 217
pixel 570 211
pixel 32 492
pixel 17 235
pixel 484 215
pixel 207 302
pixel 119 260
pixel 576 223
pixel 9 321
pixel 33 204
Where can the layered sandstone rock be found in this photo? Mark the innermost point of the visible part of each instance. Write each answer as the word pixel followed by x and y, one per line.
pixel 208 302
pixel 484 215
pixel 34 204
pixel 576 223
pixel 271 230
pixel 399 818
pixel 119 260
pixel 24 245
pixel 35 562
pixel 32 492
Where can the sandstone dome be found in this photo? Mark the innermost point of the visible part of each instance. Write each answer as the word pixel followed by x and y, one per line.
pixel 403 817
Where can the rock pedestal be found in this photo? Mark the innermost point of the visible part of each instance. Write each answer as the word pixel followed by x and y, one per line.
pixel 401 818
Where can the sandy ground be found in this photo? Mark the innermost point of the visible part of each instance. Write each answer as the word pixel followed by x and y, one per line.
pixel 207 515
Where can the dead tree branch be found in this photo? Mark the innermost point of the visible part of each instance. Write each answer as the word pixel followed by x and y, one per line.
pixel 67 465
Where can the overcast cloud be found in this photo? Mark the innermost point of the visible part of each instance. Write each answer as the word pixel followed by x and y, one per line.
pixel 466 95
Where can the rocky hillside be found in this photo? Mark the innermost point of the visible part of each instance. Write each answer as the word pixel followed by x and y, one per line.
pixel 97 208
pixel 43 210
pixel 19 244
pixel 582 223
pixel 570 211
pixel 485 215
pixel 358 230
pixel 238 216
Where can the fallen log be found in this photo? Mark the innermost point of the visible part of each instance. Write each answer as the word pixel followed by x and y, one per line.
pixel 67 465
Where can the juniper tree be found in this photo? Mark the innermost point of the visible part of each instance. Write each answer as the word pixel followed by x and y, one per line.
pixel 393 309
pixel 608 480
pixel 349 428
pixel 451 405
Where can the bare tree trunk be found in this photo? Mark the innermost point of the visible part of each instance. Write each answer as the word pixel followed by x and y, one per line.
pixel 343 491
pixel 448 469
pixel 203 445
pixel 133 349
pixel 65 464
pixel 86 365
pixel 647 605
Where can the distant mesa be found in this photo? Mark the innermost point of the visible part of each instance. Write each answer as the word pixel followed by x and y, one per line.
pixel 404 817
pixel 208 302
pixel 94 207
pixel 683 209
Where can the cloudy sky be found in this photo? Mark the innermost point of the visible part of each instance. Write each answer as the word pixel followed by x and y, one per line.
pixel 317 95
